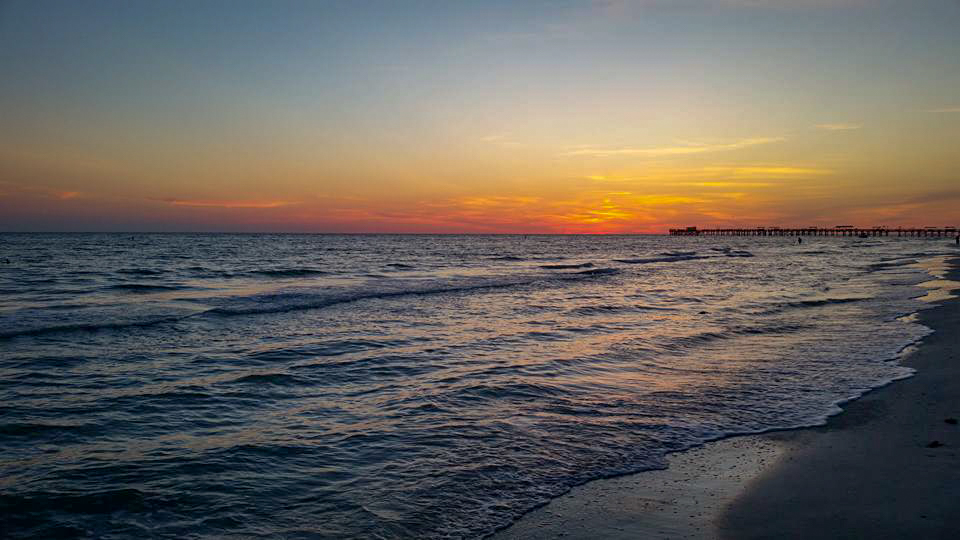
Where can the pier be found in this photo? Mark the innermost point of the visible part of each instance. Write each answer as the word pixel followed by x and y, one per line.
pixel 840 230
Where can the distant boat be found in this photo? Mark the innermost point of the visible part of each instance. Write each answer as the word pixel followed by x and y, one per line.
pixel 864 235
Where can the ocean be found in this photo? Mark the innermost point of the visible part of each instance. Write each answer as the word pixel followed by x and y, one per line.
pixel 410 386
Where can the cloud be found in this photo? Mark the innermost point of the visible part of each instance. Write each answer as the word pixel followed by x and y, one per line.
pixel 501 139
pixel 594 211
pixel 945 110
pixel 936 197
pixel 497 201
pixel 45 191
pixel 225 204
pixel 749 171
pixel 838 127
pixel 683 149
pixel 727 184
pixel 713 175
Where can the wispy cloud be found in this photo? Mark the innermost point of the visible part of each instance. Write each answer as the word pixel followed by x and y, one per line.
pixel 760 170
pixel 838 127
pixel 497 201
pixel 714 172
pixel 681 149
pixel 945 110
pixel 501 139
pixel 225 204
pixel 713 177
pixel 727 184
pixel 45 191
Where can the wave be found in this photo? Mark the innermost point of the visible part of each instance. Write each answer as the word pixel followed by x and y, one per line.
pixel 279 379
pixel 324 349
pixel 779 307
pixel 566 266
pixel 507 390
pixel 678 256
pixel 681 343
pixel 289 272
pixel 205 272
pixel 145 287
pixel 825 301
pixel 673 258
pixel 730 252
pixel 517 258
pixel 29 429
pixel 608 309
pixel 32 321
pixel 294 299
pixel 598 272
pixel 893 263
pixel 140 271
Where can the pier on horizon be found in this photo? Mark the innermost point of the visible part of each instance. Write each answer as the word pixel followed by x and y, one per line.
pixel 839 230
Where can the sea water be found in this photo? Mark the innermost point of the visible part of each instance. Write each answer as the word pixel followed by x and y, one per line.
pixel 391 386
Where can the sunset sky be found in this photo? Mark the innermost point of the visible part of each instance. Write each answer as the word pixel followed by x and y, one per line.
pixel 489 116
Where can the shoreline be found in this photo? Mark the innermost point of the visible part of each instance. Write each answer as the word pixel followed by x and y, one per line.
pixel 866 473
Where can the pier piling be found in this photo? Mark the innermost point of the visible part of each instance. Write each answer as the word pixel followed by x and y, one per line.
pixel 841 230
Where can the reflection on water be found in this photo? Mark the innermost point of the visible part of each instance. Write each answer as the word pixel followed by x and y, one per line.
pixel 410 386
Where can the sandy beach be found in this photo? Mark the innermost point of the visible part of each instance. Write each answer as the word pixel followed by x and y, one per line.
pixel 887 467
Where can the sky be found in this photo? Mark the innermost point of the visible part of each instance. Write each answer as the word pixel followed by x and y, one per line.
pixel 586 116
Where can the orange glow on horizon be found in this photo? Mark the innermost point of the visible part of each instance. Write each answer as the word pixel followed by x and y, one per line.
pixel 566 118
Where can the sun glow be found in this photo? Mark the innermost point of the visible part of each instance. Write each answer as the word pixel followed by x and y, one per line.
pixel 648 123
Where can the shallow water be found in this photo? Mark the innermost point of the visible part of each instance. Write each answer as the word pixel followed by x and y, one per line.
pixel 312 386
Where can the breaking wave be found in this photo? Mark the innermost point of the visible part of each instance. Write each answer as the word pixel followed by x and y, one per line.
pixel 90 318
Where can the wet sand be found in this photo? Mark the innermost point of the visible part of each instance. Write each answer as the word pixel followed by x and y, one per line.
pixel 887 467
pixel 679 502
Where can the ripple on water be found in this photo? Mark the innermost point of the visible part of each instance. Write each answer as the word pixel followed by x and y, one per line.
pixel 211 386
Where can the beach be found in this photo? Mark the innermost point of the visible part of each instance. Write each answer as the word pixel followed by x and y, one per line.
pixel 886 467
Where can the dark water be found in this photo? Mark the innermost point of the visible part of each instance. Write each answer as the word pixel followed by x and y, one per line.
pixel 299 386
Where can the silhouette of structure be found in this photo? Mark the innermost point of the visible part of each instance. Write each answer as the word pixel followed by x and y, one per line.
pixel 839 230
